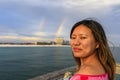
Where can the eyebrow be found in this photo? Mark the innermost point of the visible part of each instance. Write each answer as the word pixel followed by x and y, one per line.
pixel 80 34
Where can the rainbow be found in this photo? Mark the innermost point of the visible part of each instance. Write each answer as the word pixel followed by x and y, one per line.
pixel 59 30
pixel 42 24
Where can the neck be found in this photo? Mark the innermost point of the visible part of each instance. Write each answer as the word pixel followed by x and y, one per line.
pixel 89 60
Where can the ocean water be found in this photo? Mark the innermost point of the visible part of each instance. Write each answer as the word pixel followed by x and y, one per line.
pixel 22 63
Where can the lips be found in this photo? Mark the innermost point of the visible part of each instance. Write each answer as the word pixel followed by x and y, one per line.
pixel 77 49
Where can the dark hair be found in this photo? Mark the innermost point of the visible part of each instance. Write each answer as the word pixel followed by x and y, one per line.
pixel 104 53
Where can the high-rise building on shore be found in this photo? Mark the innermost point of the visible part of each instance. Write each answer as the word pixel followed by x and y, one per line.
pixel 59 41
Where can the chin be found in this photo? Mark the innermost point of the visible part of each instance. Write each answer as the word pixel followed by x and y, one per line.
pixel 76 54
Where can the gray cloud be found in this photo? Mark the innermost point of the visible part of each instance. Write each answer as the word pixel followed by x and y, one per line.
pixel 26 16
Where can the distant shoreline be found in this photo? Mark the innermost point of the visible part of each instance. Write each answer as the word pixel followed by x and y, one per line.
pixel 7 45
pixel 32 45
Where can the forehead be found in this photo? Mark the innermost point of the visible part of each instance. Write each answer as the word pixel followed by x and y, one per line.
pixel 82 29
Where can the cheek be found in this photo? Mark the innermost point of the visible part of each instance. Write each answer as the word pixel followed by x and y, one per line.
pixel 71 42
pixel 88 45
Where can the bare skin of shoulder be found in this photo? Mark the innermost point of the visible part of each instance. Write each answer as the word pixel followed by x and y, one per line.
pixel 91 67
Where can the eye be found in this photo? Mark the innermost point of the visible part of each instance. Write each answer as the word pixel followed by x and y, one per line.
pixel 83 37
pixel 73 37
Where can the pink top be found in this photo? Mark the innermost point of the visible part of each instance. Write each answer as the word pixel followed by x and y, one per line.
pixel 89 77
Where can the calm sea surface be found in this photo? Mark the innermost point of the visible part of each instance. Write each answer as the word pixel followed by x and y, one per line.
pixel 22 63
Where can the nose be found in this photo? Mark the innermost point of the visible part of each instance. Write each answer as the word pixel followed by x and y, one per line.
pixel 76 41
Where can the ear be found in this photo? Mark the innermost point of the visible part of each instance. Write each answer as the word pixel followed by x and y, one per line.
pixel 97 45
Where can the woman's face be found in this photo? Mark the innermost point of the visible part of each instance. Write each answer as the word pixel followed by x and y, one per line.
pixel 82 42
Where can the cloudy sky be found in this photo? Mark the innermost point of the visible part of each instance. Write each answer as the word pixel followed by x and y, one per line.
pixel 43 20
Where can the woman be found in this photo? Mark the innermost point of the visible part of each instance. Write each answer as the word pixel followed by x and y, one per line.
pixel 91 52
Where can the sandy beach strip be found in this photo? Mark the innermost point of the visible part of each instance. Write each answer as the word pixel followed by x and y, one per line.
pixel 117 68
pixel 34 45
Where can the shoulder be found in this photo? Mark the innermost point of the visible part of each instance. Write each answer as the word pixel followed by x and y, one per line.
pixel 91 70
